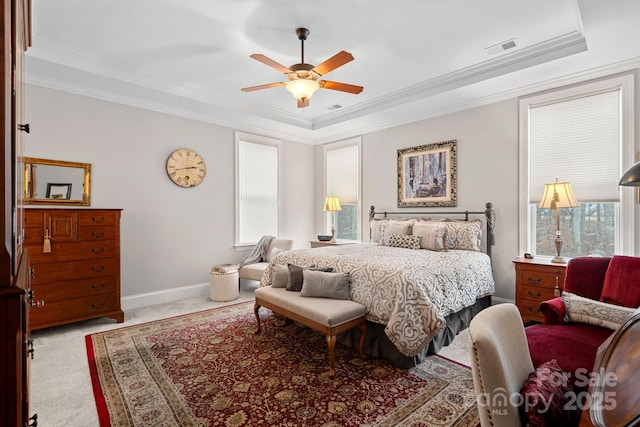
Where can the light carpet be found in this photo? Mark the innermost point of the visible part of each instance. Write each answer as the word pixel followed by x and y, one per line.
pixel 209 369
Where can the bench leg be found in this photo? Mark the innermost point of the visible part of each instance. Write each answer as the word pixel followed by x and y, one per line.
pixel 256 307
pixel 363 335
pixel 331 343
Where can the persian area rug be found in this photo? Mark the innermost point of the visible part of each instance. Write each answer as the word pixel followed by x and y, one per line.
pixel 210 369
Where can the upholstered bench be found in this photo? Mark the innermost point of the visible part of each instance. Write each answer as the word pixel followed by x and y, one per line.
pixel 327 316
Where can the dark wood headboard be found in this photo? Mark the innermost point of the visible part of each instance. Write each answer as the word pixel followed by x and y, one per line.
pixel 489 214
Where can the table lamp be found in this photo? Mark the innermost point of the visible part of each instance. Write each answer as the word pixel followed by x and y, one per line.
pixel 557 196
pixel 332 204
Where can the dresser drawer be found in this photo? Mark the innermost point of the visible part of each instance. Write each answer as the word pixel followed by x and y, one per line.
pixel 540 278
pixel 74 251
pixel 90 218
pixel 535 293
pixel 57 291
pixel 530 310
pixel 93 233
pixel 57 271
pixel 71 310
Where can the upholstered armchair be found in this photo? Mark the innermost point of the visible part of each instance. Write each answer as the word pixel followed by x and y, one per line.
pixel 599 295
pixel 500 363
pixel 255 270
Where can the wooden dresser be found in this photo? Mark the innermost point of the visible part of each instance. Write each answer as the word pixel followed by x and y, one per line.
pixel 536 281
pixel 79 278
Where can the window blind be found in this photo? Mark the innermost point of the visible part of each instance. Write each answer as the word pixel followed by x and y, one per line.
pixel 257 191
pixel 576 140
pixel 342 174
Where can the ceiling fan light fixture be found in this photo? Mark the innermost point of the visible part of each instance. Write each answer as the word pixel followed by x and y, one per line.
pixel 302 89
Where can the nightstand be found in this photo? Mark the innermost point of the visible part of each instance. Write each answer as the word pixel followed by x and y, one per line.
pixel 537 280
pixel 320 243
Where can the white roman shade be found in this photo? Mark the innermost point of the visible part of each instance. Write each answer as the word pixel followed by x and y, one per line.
pixel 571 139
pixel 257 191
pixel 342 173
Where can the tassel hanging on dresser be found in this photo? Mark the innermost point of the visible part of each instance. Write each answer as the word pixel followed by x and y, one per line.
pixel 46 248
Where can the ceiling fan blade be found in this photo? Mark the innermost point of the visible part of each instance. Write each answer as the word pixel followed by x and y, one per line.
pixel 303 103
pixel 270 62
pixel 342 87
pixel 267 86
pixel 334 62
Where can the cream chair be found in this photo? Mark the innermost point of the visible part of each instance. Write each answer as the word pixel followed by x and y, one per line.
pixel 254 271
pixel 500 363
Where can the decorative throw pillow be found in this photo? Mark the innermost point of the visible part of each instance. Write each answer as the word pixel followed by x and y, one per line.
pixel 548 397
pixel 623 271
pixel 378 229
pixel 272 253
pixel 280 276
pixel 466 235
pixel 296 278
pixel 404 241
pixel 397 226
pixel 432 234
pixel 592 312
pixel 326 285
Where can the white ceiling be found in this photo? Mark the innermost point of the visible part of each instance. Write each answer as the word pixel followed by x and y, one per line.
pixel 415 58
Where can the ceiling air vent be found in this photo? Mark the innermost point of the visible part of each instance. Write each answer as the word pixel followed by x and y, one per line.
pixel 501 47
pixel 334 107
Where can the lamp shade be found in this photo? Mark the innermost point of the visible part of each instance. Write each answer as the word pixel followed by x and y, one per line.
pixel 302 88
pixel 332 204
pixel 631 177
pixel 558 195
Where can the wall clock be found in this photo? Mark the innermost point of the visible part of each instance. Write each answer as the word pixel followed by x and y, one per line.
pixel 186 168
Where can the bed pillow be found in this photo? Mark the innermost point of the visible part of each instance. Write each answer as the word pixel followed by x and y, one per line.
pixel 378 228
pixel 547 398
pixel 397 226
pixel 272 253
pixel 325 284
pixel 432 234
pixel 296 278
pixel 280 277
pixel 404 241
pixel 465 235
pixel 592 312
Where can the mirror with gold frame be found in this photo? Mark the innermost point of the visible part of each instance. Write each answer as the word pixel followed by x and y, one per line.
pixel 56 182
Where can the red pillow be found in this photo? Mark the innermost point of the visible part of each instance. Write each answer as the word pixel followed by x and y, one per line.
pixel 622 282
pixel 548 398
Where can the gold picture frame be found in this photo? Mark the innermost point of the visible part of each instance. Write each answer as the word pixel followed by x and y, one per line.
pixel 427 175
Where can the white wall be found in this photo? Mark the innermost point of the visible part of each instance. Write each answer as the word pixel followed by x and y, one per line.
pixel 171 236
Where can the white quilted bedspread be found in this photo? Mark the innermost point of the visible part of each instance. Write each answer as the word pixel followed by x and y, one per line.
pixel 410 291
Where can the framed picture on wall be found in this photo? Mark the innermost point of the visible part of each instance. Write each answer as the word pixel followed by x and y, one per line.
pixel 58 191
pixel 427 175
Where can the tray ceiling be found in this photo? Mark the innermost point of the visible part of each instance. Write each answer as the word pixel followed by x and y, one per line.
pixel 416 59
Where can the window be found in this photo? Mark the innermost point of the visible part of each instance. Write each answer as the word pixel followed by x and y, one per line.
pixel 582 135
pixel 342 179
pixel 257 201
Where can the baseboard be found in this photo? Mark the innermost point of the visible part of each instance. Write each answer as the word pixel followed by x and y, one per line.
pixel 164 296
pixel 498 300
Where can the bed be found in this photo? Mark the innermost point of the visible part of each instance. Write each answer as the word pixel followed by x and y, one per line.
pixel 420 278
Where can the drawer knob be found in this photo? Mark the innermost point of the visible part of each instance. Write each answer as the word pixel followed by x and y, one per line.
pixel 97 287
pixel 532 295
pixel 101 219
pixel 97 269
pixel 98 306
pixel 98 251
pixel 534 281
pixel 95 234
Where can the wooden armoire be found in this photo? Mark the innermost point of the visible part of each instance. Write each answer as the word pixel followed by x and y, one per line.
pixel 15 345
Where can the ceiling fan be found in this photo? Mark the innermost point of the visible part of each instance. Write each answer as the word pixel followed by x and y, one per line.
pixel 303 78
